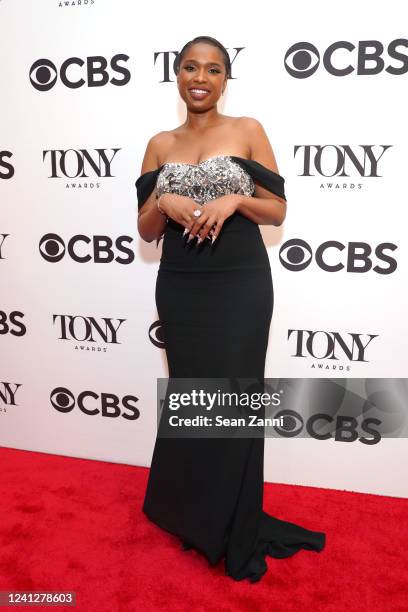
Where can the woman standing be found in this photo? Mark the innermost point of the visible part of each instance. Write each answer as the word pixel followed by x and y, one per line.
pixel 214 177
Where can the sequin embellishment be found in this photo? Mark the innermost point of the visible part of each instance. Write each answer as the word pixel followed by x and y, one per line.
pixel 210 179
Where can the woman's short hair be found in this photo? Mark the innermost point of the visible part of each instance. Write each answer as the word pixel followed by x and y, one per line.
pixel 210 41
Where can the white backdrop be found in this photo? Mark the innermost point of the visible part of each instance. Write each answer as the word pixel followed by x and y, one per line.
pixel 78 354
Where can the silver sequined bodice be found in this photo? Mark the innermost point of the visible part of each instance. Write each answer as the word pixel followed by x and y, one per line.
pixel 210 179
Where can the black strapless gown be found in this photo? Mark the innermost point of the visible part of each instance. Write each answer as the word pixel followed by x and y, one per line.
pixel 215 305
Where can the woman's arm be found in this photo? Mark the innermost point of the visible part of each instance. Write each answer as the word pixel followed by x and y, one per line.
pixel 151 223
pixel 264 207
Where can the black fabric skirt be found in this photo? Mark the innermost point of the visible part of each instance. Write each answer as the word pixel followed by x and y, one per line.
pixel 209 491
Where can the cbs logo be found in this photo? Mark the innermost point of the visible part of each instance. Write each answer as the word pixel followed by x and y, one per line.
pixel 44 73
pixel 303 59
pixel 296 255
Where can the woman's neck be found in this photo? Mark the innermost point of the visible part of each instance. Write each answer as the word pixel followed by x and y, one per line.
pixel 202 121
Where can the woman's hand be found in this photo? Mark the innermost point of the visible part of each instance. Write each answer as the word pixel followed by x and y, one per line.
pixel 178 207
pixel 213 215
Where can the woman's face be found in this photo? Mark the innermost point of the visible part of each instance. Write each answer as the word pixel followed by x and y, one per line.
pixel 202 68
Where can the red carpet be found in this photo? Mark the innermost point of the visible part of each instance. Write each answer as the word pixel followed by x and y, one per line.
pixel 76 524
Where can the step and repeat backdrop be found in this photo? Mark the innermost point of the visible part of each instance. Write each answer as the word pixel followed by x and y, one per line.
pixel 84 85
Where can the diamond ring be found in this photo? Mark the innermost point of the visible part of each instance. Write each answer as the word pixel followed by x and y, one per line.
pixel 197 212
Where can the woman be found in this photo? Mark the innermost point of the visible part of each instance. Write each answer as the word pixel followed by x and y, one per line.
pixel 214 177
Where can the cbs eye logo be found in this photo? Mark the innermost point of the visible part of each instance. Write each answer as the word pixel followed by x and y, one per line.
pixel 302 60
pixel 156 334
pixel 52 247
pixel 295 255
pixel 44 73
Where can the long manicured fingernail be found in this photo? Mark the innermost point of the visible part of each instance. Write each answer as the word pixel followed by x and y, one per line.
pixel 212 239
pixel 190 237
pixel 185 232
pixel 199 239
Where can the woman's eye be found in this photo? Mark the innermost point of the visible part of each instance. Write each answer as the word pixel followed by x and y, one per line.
pixel 211 69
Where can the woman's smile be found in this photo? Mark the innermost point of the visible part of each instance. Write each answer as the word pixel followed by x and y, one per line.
pixel 198 94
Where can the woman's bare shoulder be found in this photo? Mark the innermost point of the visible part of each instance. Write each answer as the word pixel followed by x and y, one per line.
pixel 158 145
pixel 250 124
pixel 250 128
pixel 248 131
pixel 256 137
pixel 163 138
